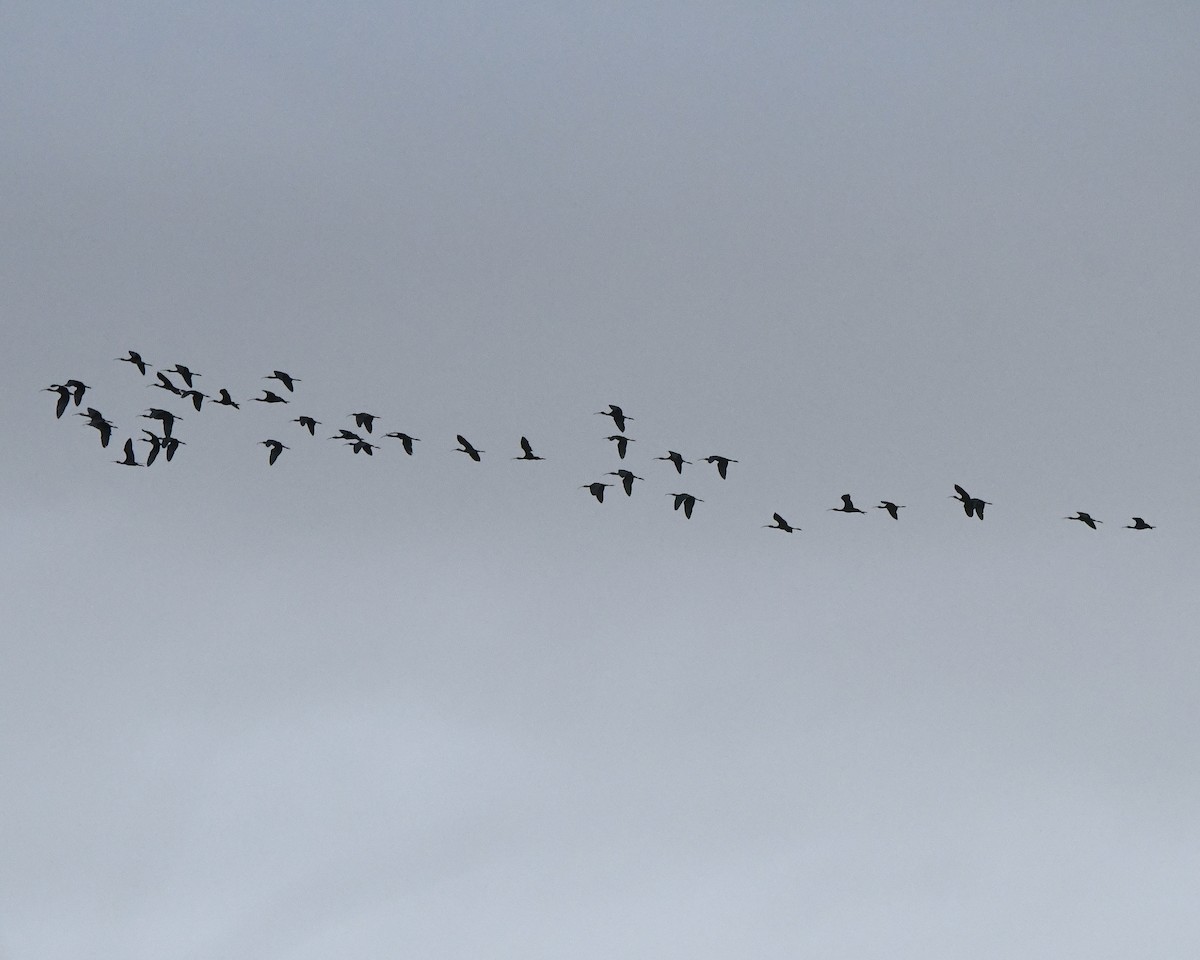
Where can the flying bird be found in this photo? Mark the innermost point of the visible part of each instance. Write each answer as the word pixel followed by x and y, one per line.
pixel 166 416
pixel 405 440
pixel 893 509
pixel 285 378
pixel 96 420
pixel 165 383
pixel 685 500
pixel 184 372
pixel 675 458
pixel 348 435
pixel 627 478
pixel 780 524
pixel 1084 518
pixel 596 489
pixel 226 400
pixel 721 462
pixel 622 444
pixel 1138 524
pixel 847 506
pixel 364 420
pixel 362 446
pixel 309 424
pixel 136 359
pixel 195 396
pixel 130 460
pixel 64 398
pixel 972 506
pixel 170 445
pixel 466 448
pixel 528 454
pixel 78 387
pixel 269 397
pixel 156 443
pixel 617 414
pixel 276 448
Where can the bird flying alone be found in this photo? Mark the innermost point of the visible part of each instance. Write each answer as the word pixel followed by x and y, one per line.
pixel 466 447
pixel 893 509
pixel 685 500
pixel 528 451
pixel 1138 524
pixel 596 489
pixel 405 440
pixel 617 414
pixel 675 458
pixel 780 524
pixel 721 462
pixel 276 449
pixel 1084 518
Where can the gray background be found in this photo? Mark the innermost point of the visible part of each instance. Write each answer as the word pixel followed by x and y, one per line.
pixel 424 707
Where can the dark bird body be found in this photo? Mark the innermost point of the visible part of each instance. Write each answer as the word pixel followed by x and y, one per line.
pixel 622 444
pixel 364 420
pixel 1084 518
pixel 685 500
pixel 528 453
pixel 627 478
pixel 130 460
pixel 165 383
pixel 780 524
pixel 893 509
pixel 309 424
pixel 1138 524
pixel 166 417
pixel 64 398
pixel 405 440
pixel 226 400
pixel 269 397
pixel 286 379
pixel 675 458
pixel 721 462
pixel 78 388
pixel 972 506
pixel 155 442
pixel 596 489
pixel 847 506
pixel 195 396
pixel 465 447
pixel 362 446
pixel 276 449
pixel 96 420
pixel 136 359
pixel 184 373
pixel 617 414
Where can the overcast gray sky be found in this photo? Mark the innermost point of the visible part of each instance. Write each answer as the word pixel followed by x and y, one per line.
pixel 424 707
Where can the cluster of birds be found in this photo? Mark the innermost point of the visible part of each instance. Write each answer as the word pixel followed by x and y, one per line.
pixel 73 391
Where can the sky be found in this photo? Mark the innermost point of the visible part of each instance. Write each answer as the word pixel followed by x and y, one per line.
pixel 428 706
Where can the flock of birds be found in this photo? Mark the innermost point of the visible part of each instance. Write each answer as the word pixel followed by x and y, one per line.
pixel 184 389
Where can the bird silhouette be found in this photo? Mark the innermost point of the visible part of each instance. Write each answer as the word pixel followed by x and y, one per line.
pixel 721 462
pixel 165 383
pixel 780 524
pixel 96 420
pixel 155 442
pixel 136 359
pixel 596 489
pixel 348 435
pixel 364 420
pixel 195 396
pixel 466 448
pixel 185 373
pixel 165 416
pixel 362 446
pixel 685 500
pixel 617 414
pixel 405 440
pixel 286 379
pixel 847 506
pixel 528 454
pixel 64 398
pixel 892 508
pixel 675 458
pixel 276 449
pixel 972 506
pixel 309 424
pixel 170 445
pixel 78 388
pixel 1084 518
pixel 1139 524
pixel 627 478
pixel 226 400
pixel 130 460
pixel 269 397
pixel 622 444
